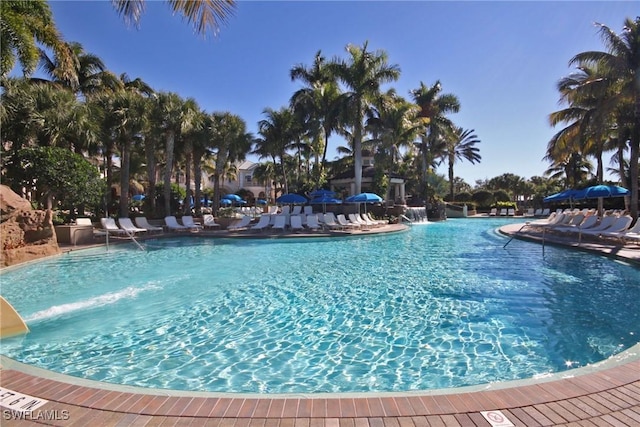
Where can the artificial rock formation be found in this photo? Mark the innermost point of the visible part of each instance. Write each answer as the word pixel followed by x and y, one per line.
pixel 25 234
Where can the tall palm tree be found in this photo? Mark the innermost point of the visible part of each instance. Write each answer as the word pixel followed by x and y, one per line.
pixel 618 74
pixel 461 146
pixel 434 106
pixel 318 102
pixel 23 26
pixel 363 73
pixel 277 135
pixel 231 143
pixel 203 15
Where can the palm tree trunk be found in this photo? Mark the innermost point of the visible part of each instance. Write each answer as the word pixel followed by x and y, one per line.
pixel 197 178
pixel 357 150
pixel 150 199
pixel 169 144
pixel 124 179
pixel 451 177
pixel 187 178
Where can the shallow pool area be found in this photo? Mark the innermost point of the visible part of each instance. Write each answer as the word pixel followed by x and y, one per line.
pixel 442 305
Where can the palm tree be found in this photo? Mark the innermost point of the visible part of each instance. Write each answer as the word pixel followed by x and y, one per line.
pixel 203 15
pixel 394 126
pixel 617 82
pixel 231 142
pixel 91 75
pixel 23 26
pixel 318 102
pixel 434 106
pixel 277 133
pixel 363 74
pixel 461 146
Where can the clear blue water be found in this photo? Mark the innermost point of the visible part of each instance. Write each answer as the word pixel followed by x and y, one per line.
pixel 442 305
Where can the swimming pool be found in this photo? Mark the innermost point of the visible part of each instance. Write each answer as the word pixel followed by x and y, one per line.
pixel 442 305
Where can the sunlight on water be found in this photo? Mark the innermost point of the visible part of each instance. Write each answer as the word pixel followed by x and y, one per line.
pixel 438 306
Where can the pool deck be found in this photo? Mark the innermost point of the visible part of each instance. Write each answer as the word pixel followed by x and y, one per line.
pixel 603 394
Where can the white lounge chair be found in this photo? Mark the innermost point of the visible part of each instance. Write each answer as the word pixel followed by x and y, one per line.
pixel 630 234
pixel 308 210
pixel 356 219
pixel 286 210
pixel 187 221
pixel 87 222
pixel 342 220
pixel 280 223
pixel 109 225
pixel 297 210
pixel 621 225
pixel 530 212
pixel 142 222
pixel 208 221
pixel 242 224
pixel 126 224
pixel 511 212
pixel 587 223
pixel 296 223
pixel 503 212
pixel 331 222
pixel 312 222
pixel 263 223
pixel 608 223
pixel 172 224
pixel 493 212
pixel 377 221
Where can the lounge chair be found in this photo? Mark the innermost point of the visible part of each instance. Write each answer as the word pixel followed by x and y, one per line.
pixel 208 221
pixel 331 222
pixel 493 212
pixel 503 212
pixel 608 224
pixel 511 212
pixel 126 224
pixel 187 221
pixel 172 224
pixel 109 225
pixel 620 226
pixel 630 234
pixel 142 222
pixel 297 210
pixel 530 212
pixel 587 223
pixel 296 223
pixel 242 224
pixel 286 210
pixel 87 222
pixel 377 221
pixel 342 220
pixel 368 222
pixel 263 223
pixel 308 210
pixel 280 223
pixel 312 222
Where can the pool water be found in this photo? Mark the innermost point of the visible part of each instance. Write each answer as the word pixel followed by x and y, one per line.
pixel 441 305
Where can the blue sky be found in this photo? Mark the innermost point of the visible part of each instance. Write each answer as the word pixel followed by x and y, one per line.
pixel 501 59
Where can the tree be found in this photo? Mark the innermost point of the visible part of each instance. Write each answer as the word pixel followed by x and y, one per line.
pixel 318 103
pixel 277 134
pixel 461 145
pixel 617 80
pixel 363 74
pixel 434 106
pixel 23 26
pixel 203 15
pixel 231 142
pixel 57 174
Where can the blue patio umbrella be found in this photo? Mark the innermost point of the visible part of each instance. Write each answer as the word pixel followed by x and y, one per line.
pixel 364 198
pixel 291 198
pixel 324 201
pixel 225 202
pixel 232 197
pixel 569 194
pixel 137 197
pixel 262 202
pixel 605 191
